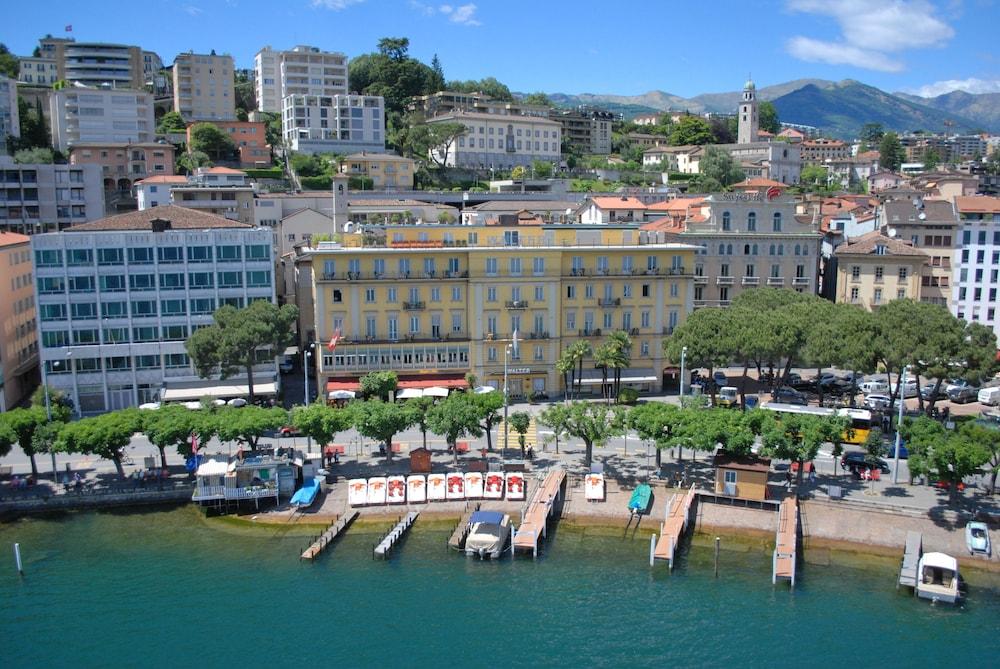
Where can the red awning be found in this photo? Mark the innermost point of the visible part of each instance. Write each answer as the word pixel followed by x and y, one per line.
pixel 431 380
pixel 342 385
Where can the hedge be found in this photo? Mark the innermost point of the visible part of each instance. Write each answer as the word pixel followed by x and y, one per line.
pixel 265 173
pixel 316 183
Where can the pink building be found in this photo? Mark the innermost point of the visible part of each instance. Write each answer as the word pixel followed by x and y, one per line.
pixel 250 139
pixel 124 164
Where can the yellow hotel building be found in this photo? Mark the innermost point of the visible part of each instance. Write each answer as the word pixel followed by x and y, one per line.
pixel 434 302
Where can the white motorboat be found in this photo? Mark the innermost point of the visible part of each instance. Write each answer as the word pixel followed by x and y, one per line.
pixel 977 538
pixel 937 578
pixel 489 532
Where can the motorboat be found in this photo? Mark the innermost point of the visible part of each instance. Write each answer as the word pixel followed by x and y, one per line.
pixel 489 532
pixel 306 495
pixel 977 538
pixel 937 578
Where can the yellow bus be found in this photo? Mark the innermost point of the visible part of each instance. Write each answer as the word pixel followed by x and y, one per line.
pixel 861 419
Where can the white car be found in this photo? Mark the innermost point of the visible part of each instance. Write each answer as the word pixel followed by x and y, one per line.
pixel 877 402
pixel 874 387
pixel 977 538
pixel 909 389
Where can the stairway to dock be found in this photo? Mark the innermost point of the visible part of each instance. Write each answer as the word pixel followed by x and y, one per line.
pixel 384 547
pixel 331 533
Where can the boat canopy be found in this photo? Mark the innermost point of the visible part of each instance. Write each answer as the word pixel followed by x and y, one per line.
pixel 489 517
pixel 940 560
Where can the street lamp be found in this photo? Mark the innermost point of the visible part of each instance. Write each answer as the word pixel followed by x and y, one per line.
pixel 48 402
pixel 901 385
pixel 306 354
pixel 506 396
pixel 684 352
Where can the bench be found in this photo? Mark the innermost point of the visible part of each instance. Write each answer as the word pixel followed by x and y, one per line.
pixel 397 447
pixel 335 448
pixel 462 446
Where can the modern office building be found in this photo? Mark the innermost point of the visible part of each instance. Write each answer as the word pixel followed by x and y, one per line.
pixel 18 329
pixel 10 125
pixel 303 70
pixel 46 197
pixel 337 124
pixel 204 88
pixel 499 141
pixel 95 115
pixel 977 260
pixel 435 302
pixel 118 297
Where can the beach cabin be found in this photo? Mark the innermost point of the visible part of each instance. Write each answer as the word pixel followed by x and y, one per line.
pixel 420 460
pixel 741 476
pixel 251 479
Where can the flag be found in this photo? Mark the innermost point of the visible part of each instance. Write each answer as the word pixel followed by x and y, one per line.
pixel 194 444
pixel 69 28
pixel 773 192
pixel 513 344
pixel 334 339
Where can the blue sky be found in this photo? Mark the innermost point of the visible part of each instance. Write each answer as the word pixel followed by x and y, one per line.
pixel 624 47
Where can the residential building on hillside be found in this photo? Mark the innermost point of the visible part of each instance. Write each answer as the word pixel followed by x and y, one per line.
pixel 94 115
pixel 96 64
pixel 386 170
pixel 497 211
pixel 123 164
pixel 792 135
pixel 152 64
pixel 645 140
pixel 10 124
pixel 155 191
pixel 446 102
pixel 436 302
pixel 977 261
pixel 684 158
pixel 884 180
pixel 930 226
pixel 647 119
pixel 852 171
pixel 47 197
pixel 250 138
pixel 778 161
pixel 302 71
pixel 37 71
pixel 270 208
pixel 18 328
pixel 587 129
pixel 217 190
pixel 874 269
pixel 204 87
pixel 604 210
pixel 118 297
pixel 821 150
pixel 500 141
pixel 338 124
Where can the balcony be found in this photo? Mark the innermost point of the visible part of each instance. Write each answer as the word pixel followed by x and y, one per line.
pixel 751 281
pixel 775 280
pixel 609 301
pixel 538 335
pixel 590 333
pixel 516 304
pixel 700 280
pixel 800 281
pixel 414 306
pixel 676 271
pixel 725 280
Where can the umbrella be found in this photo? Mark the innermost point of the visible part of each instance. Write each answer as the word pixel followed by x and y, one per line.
pixel 237 402
pixel 409 393
pixel 342 395
pixel 219 403
pixel 482 390
pixel 150 405
pixel 435 391
pixel 194 406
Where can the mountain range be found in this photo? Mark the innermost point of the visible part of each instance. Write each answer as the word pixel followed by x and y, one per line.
pixel 838 108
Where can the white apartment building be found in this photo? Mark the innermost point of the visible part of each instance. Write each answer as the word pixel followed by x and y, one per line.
pixel 118 297
pixel 204 89
pixel 80 114
pixel 339 124
pixel 10 125
pixel 303 70
pixel 976 261
pixel 38 71
pixel 46 198
pixel 500 141
pixel 96 63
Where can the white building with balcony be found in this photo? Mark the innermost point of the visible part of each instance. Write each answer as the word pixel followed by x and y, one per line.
pixel 204 89
pixel 46 198
pixel 118 297
pixel 976 262
pixel 499 141
pixel 80 114
pixel 303 70
pixel 334 124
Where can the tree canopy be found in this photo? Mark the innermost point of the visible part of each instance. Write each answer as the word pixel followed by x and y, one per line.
pixel 393 74
pixel 592 423
pixel 171 122
pixel 105 436
pixel 718 167
pixel 455 417
pixel 691 130
pixel 171 425
pixel 320 421
pixel 10 65
pixel 249 423
pixel 379 384
pixel 767 117
pixel 382 421
pixel 209 139
pixel 890 152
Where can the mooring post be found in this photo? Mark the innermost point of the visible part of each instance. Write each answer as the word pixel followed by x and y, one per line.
pixel 652 547
pixel 717 540
pixel 17 559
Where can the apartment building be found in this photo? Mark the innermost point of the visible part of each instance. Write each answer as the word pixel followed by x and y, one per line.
pixel 604 210
pixel 820 150
pixel 94 115
pixel 746 240
pixel 123 164
pixel 18 329
pixel 118 297
pixel 387 171
pixel 445 102
pixel 45 198
pixel 37 71
pixel 586 129
pixel 779 161
pixel 436 302
pixel 930 226
pixel 339 124
pixel 95 63
pixel 10 124
pixel 977 260
pixel 302 70
pixel 250 138
pixel 500 141
pixel 874 268
pixel 204 89
pixel 216 190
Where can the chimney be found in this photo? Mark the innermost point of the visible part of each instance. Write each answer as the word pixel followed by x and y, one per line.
pixel 160 224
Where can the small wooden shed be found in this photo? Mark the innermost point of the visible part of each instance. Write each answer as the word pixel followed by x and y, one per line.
pixel 420 460
pixel 741 476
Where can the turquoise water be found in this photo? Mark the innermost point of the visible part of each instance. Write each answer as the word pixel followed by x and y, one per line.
pixel 163 589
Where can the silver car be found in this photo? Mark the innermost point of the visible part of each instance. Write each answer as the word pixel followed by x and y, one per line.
pixel 877 402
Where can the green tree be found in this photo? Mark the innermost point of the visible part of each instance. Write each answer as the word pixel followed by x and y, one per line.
pixel 604 357
pixel 488 86
pixel 248 424
pixel 717 165
pixel 320 421
pixel 446 218
pixel 34 131
pixel 691 130
pixel 189 161
pixel 22 423
pixel 382 421
pixel 437 69
pixel 60 404
pixel 455 417
pixel 420 406
pixel 799 437
pixel 767 116
pixel 592 423
pixel 439 138
pixel 538 98
pixel 890 152
pixel 707 336
pixel 961 454
pixel 9 63
pixel 105 436
pixel 171 122
pixel 392 74
pixel 920 436
pixel 211 140
pixel 521 421
pixel 655 421
pixel 37 156
pixel 394 48
pixel 518 172
pixel 243 86
pixel 621 358
pixel 170 425
pixel 7 440
pixel 814 175
pixel 931 160
pixel 379 384
pixel 871 133
pixel 987 438
pixel 490 406
pixel 579 350
pixel 233 339
pixel 566 366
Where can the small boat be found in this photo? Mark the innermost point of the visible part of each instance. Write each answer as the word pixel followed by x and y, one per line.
pixel 396 489
pixel 639 501
pixel 515 486
pixel 357 492
pixel 494 485
pixel 456 486
pixel 977 538
pixel 594 487
pixel 489 532
pixel 473 485
pixel 416 488
pixel 376 490
pixel 306 495
pixel 436 487
pixel 937 578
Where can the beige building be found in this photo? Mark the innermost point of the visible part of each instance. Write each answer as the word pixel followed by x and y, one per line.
pixel 123 164
pixel 874 269
pixel 204 87
pixel 932 227
pixel 100 115
pixel 217 190
pixel 303 70
pixel 821 150
pixel 18 328
pixel 387 171
pixel 97 64
pixel 445 102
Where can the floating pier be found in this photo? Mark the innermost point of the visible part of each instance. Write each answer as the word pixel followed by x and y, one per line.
pixel 787 542
pixel 457 539
pixel 535 516
pixel 911 557
pixel 678 514
pixel 395 534
pixel 331 533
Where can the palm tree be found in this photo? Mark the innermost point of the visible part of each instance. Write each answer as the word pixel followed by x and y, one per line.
pixel 565 366
pixel 604 357
pixel 580 350
pixel 623 344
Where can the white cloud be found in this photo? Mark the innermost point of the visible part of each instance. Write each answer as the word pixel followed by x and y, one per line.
pixel 870 31
pixel 970 85
pixel 463 14
pixel 192 10
pixel 426 10
pixel 335 5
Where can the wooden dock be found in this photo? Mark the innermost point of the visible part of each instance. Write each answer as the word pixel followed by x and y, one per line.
pixel 535 516
pixel 911 557
pixel 395 534
pixel 678 514
pixel 457 539
pixel 787 542
pixel 331 533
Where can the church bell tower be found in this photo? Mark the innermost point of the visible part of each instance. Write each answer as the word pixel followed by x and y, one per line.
pixel 748 122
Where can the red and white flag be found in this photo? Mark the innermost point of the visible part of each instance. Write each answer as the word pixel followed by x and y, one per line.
pixel 194 444
pixel 69 28
pixel 334 339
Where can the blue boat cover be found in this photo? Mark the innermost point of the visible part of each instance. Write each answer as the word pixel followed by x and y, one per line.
pixel 305 495
pixel 492 517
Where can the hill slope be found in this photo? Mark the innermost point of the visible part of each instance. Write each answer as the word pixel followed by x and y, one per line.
pixel 982 108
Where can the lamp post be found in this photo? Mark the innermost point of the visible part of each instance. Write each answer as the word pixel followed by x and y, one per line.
pixel 306 354
pixel 506 399
pixel 684 352
pixel 901 385
pixel 48 404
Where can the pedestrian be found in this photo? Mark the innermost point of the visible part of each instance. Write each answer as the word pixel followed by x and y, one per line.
pixel 812 474
pixel 788 478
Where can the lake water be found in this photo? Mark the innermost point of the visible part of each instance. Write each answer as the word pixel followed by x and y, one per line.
pixel 169 589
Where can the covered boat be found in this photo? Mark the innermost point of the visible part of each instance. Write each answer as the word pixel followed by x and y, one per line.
pixel 937 578
pixel 488 534
pixel 977 538
pixel 306 495
pixel 639 501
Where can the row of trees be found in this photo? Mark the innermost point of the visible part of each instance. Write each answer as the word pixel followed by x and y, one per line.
pixel 950 455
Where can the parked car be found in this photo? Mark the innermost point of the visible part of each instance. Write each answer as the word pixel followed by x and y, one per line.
pixel 729 396
pixel 874 387
pixel 951 384
pixel 927 392
pixel 909 389
pixel 289 431
pixel 720 378
pixel 963 394
pixel 989 396
pixel 903 452
pixel 878 402
pixel 787 395
pixel 855 460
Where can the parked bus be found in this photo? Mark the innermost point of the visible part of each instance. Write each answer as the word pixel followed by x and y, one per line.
pixel 861 419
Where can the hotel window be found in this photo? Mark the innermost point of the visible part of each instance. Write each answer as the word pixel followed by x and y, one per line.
pixel 414 324
pixel 588 291
pixel 491 294
pixel 79 257
pixel 456 294
pixel 644 349
pixel 538 265
pixel 627 290
pixel 114 310
pixel 142 282
pixel 86 336
pixel 114 283
pixel 81 284
pixel 390 295
pixel 202 306
pixel 776 222
pixel 570 292
pixel 752 221
pixel 230 279
pixel 571 320
pixel 878 273
pixel 228 253
pixel 435 294
pixel 175 332
pixel 169 255
pixel 172 281
pixel 369 295
pixel 110 257
pixel 48 258
pixel 515 267
pixel 491 266
pixel 539 293
pixel 257 252
pixel 456 322
pixel 173 308
pixel 854 294
pixel 608 320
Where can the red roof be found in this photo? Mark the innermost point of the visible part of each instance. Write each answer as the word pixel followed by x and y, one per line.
pixel 342 385
pixel 13 238
pixel 618 203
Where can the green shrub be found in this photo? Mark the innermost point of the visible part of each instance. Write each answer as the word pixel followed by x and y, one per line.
pixel 316 183
pixel 628 396
pixel 265 173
